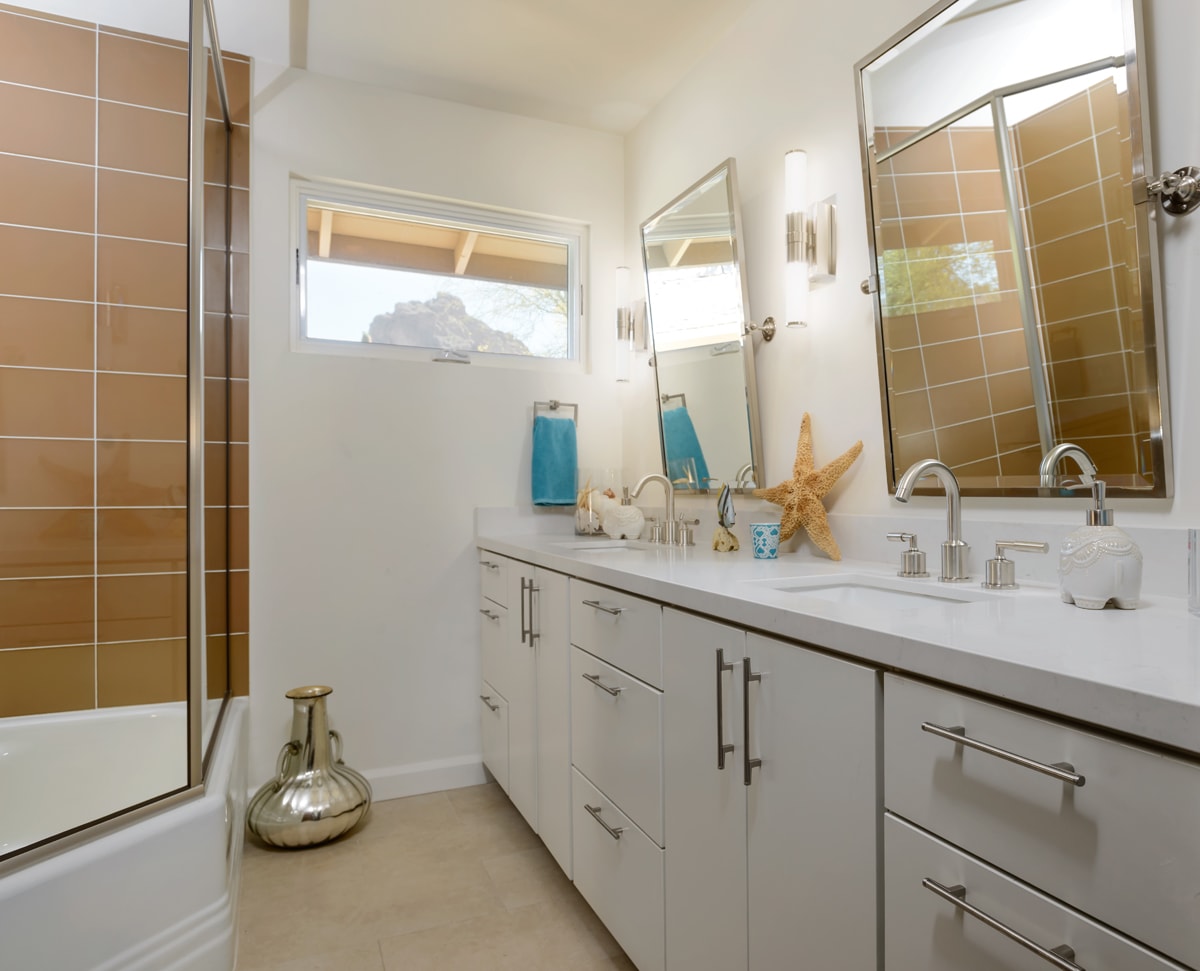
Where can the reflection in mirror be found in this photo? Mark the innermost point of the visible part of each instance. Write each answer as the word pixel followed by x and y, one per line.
pixel 704 365
pixel 1004 147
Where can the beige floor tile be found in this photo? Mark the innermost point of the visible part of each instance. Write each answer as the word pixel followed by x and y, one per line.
pixel 526 877
pixel 342 959
pixel 450 880
pixel 533 938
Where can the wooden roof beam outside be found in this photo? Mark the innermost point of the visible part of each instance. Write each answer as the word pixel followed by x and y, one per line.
pixel 325 233
pixel 462 252
pixel 675 250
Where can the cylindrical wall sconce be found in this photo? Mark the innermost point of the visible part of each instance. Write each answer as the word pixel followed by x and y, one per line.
pixel 624 352
pixel 795 191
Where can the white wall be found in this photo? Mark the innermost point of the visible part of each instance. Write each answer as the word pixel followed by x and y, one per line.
pixel 365 472
pixel 783 78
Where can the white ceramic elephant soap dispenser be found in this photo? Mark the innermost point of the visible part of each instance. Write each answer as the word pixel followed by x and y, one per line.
pixel 1099 562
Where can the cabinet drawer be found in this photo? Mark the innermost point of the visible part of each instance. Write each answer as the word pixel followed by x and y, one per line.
pixel 616 738
pixel 926 931
pixel 493 642
pixel 619 871
pixel 493 577
pixel 624 630
pixel 1124 846
pixel 494 721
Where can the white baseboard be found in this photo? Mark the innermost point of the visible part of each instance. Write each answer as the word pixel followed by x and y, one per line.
pixel 411 780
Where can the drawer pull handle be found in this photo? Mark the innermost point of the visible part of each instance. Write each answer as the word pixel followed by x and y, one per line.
pixel 723 748
pixel 1062 771
pixel 595 679
pixel 599 606
pixel 487 700
pixel 1062 957
pixel 489 564
pixel 748 764
pixel 488 614
pixel 613 831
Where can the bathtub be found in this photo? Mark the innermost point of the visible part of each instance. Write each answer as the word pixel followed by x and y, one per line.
pixel 155 894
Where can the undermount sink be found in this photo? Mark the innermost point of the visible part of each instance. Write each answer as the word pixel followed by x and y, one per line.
pixel 600 545
pixel 880 592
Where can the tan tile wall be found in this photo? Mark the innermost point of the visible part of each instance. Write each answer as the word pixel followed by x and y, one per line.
pixel 93 359
pixel 1085 271
pixel 958 380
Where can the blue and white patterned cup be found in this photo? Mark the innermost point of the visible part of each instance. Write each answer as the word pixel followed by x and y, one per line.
pixel 765 537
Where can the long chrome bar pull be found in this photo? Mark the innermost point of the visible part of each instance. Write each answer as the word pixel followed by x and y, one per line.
pixel 524 631
pixel 748 763
pixel 1061 957
pixel 1062 771
pixel 723 748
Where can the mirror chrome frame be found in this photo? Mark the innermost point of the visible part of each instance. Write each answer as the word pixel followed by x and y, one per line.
pixel 750 381
pixel 1148 268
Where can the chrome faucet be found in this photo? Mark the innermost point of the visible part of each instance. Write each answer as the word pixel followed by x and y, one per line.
pixel 668 533
pixel 954 550
pixel 1065 450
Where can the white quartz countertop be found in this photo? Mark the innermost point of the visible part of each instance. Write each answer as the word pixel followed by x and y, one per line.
pixel 1136 672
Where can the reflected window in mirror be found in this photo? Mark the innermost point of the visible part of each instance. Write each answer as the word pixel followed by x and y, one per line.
pixel 697 308
pixel 1014 293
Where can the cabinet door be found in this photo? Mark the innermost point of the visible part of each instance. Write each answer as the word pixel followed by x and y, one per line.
pixel 619 872
pixel 616 738
pixel 493 642
pixel 520 688
pixel 553 652
pixel 1121 845
pixel 705 805
pixel 933 931
pixel 813 810
pixel 494 724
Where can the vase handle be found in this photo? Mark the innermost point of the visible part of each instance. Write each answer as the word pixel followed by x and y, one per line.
pixel 289 749
pixel 337 750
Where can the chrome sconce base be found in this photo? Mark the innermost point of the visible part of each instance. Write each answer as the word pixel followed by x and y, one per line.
pixel 766 328
pixel 1178 191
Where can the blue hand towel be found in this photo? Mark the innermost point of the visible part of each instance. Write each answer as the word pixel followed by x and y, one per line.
pixel 679 436
pixel 554 460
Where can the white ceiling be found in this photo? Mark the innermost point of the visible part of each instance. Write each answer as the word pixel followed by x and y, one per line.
pixel 598 63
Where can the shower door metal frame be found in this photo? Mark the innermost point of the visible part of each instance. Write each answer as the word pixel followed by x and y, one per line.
pixel 202 16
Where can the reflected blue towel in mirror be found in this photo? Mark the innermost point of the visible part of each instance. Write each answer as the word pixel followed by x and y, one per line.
pixel 679 437
pixel 554 460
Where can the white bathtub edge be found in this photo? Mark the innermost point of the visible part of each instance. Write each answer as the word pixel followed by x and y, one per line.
pixel 159 894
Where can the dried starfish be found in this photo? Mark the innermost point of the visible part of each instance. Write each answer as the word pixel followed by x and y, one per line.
pixel 801 495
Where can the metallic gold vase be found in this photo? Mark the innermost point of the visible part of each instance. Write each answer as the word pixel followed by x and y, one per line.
pixel 314 796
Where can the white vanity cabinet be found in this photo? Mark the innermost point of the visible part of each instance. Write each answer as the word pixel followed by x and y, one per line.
pixel 525 719
pixel 494 663
pixel 772 802
pixel 616 748
pixel 1109 829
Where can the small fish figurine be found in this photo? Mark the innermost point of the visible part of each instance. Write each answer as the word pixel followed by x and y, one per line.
pixel 723 540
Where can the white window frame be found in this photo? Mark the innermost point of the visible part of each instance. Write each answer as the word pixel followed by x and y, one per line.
pixel 574 235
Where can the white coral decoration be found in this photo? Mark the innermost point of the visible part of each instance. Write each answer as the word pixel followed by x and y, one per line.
pixel 618 521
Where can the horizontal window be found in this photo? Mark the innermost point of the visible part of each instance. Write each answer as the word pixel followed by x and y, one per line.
pixel 378 269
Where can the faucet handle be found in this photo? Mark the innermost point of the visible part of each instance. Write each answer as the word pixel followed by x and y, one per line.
pixel 912 560
pixel 999 572
pixel 683 531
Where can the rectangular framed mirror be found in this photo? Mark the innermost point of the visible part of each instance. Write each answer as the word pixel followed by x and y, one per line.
pixel 1014 253
pixel 697 307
